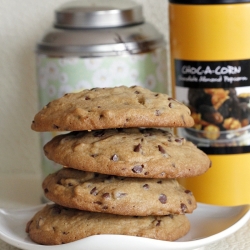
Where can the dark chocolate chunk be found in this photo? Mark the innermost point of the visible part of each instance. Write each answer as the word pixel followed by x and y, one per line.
pixel 158 223
pixel 137 148
pixel 146 186
pixel 106 195
pixel 188 192
pixel 183 208
pixel 94 191
pixel 161 149
pixel 163 198
pixel 138 168
pixel 115 158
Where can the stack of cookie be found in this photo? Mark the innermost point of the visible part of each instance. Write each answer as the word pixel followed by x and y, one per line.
pixel 120 164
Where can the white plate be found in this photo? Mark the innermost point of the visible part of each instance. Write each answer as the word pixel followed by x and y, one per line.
pixel 208 224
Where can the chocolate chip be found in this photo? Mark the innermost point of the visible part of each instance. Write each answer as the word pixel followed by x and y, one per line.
pixel 179 140
pixel 138 169
pixel 184 208
pixel 46 190
pixel 137 148
pixel 146 186
pixel 157 112
pixel 94 191
pixel 188 192
pixel 106 195
pixel 161 149
pixel 159 182
pixel 158 223
pixel 137 92
pixel 170 105
pixel 114 157
pixel 163 198
pixel 105 207
pixel 98 202
pixel 87 98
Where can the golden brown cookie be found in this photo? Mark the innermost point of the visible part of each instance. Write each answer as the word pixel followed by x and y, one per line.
pixel 118 107
pixel 55 225
pixel 117 195
pixel 144 153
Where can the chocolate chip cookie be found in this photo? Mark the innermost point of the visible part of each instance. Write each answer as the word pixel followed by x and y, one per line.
pixel 118 107
pixel 55 225
pixel 117 195
pixel 135 152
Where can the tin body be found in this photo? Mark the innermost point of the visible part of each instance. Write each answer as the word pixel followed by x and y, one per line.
pixel 98 44
pixel 210 61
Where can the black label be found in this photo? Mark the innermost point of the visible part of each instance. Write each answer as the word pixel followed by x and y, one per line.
pixel 212 74
pixel 225 150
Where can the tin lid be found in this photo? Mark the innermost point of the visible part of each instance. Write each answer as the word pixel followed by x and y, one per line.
pixel 101 42
pixel 98 14
pixel 209 1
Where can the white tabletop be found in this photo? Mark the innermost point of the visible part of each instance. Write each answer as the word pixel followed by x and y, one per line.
pixel 25 191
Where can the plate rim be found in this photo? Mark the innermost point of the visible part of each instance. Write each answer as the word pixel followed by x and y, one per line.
pixel 184 245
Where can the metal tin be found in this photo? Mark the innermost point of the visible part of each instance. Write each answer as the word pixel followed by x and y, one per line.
pixel 98 44
pixel 101 42
pixel 98 28
pixel 98 14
